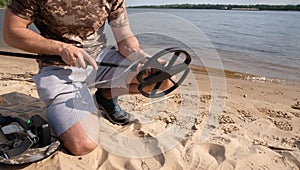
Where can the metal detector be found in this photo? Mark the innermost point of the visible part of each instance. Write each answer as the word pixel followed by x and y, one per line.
pixel 167 71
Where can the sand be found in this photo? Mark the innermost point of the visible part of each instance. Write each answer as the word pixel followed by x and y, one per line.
pixel 210 122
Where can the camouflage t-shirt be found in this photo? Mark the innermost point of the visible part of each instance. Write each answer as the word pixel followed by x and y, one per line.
pixel 79 22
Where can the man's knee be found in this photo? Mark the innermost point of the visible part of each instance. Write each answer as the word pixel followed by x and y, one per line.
pixel 82 147
pixel 78 140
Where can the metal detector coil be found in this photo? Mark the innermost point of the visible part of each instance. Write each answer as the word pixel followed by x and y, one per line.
pixel 164 72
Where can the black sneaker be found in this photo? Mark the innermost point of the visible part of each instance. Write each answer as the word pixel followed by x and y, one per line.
pixel 112 111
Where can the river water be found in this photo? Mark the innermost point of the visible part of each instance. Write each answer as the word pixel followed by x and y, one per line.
pixel 264 43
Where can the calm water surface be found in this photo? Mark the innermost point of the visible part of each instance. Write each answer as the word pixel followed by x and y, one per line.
pixel 265 43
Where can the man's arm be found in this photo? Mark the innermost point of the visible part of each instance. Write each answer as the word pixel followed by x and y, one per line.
pixel 128 44
pixel 17 34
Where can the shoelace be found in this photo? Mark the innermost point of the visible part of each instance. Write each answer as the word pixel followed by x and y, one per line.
pixel 117 109
pixel 114 106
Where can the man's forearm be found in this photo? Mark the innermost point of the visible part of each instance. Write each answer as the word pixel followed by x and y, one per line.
pixel 130 48
pixel 30 41
pixel 16 34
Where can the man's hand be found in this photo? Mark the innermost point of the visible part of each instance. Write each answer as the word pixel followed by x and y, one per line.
pixel 75 56
pixel 141 54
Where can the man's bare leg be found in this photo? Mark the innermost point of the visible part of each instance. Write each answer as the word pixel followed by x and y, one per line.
pixel 82 138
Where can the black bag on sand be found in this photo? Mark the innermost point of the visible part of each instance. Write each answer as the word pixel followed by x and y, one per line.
pixel 25 142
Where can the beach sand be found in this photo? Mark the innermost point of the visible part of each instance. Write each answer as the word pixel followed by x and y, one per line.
pixel 210 122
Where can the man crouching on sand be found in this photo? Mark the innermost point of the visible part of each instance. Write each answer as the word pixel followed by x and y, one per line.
pixel 73 30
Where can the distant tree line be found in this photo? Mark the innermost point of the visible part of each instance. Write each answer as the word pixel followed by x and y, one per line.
pixel 224 7
pixel 3 3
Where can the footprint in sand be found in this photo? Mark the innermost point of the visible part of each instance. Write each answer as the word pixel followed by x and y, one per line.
pixel 275 113
pixel 283 125
pixel 296 106
pixel 278 114
pixel 229 129
pixel 246 116
pixel 224 119
pixel 205 156
pixel 205 98
pixel 297 114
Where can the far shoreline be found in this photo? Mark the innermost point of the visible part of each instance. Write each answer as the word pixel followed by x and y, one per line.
pixel 257 7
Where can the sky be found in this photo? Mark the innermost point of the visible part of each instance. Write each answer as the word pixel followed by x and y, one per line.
pixel 240 2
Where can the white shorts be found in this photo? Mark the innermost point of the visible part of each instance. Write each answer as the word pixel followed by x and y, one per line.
pixel 65 93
